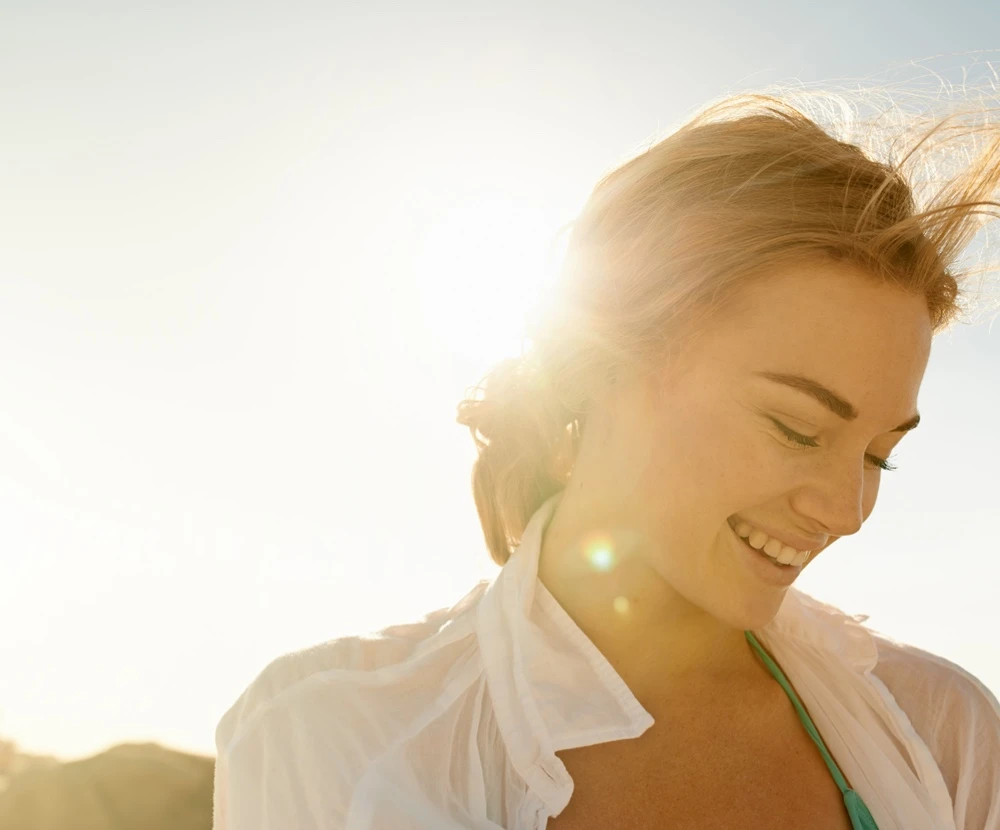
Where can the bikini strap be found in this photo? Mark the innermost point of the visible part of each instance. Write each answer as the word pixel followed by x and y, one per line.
pixel 861 818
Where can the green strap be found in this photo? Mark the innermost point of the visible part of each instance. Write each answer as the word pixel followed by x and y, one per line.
pixel 861 818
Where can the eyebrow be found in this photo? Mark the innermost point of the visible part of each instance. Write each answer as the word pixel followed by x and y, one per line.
pixel 832 401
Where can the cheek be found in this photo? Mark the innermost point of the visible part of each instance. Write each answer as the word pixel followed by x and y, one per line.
pixel 751 466
pixel 692 451
pixel 711 465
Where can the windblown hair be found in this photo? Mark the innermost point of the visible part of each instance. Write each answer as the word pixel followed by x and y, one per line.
pixel 748 185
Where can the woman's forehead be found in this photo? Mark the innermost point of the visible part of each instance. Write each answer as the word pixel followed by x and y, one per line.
pixel 833 323
pixel 822 304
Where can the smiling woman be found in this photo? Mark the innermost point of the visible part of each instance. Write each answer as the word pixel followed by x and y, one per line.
pixel 732 351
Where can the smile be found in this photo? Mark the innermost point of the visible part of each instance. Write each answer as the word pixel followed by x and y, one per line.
pixel 774 549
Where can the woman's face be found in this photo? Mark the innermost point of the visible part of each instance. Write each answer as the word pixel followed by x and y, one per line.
pixel 717 438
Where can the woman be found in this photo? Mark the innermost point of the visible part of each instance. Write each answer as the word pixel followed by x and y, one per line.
pixel 744 320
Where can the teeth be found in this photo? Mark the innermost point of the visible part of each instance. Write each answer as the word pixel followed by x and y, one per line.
pixel 787 555
pixel 772 547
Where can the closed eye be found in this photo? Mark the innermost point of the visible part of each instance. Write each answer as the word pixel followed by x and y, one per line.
pixel 806 441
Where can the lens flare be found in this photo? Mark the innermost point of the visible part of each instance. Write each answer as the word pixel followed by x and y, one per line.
pixel 601 558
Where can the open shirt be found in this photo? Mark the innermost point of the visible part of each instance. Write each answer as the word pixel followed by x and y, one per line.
pixel 454 722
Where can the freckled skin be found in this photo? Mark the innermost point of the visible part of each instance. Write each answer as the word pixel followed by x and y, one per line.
pixel 666 460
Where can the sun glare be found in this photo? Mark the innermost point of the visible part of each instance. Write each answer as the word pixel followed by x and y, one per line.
pixel 481 268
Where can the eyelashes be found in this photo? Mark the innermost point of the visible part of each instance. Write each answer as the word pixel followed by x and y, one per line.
pixel 805 441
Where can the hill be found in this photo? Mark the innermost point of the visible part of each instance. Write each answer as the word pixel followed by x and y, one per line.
pixel 128 787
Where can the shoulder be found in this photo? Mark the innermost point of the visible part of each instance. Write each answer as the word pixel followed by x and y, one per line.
pixel 957 717
pixel 290 678
pixel 934 687
pixel 293 748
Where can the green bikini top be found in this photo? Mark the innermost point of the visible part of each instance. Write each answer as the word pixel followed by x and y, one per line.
pixel 861 819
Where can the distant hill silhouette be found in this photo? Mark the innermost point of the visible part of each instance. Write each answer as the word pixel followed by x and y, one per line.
pixel 129 787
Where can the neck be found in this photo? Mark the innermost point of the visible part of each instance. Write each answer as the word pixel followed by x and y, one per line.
pixel 661 645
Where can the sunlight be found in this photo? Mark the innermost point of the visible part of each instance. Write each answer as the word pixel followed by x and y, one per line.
pixel 481 268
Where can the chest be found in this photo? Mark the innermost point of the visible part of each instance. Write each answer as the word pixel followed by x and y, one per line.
pixel 708 774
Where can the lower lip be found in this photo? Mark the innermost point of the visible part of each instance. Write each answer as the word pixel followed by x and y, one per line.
pixel 762 566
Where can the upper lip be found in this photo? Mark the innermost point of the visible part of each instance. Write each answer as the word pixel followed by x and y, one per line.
pixel 791 539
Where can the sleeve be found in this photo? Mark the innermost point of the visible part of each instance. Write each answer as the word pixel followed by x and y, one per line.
pixel 273 765
pixel 220 819
pixel 297 764
pixel 220 789
pixel 247 708
pixel 959 720
pixel 293 746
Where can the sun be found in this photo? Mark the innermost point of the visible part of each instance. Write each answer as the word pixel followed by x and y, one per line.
pixel 484 264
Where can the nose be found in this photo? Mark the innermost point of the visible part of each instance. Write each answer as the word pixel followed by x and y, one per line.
pixel 838 496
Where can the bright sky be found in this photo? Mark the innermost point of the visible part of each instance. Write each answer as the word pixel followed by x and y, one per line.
pixel 252 256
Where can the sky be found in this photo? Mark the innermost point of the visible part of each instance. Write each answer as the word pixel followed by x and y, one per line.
pixel 253 255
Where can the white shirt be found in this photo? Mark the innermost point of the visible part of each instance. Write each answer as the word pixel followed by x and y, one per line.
pixel 453 722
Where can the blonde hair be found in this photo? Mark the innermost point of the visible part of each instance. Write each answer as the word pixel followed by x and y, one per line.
pixel 749 184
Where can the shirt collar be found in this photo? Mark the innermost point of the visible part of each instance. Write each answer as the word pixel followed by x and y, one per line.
pixel 551 687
